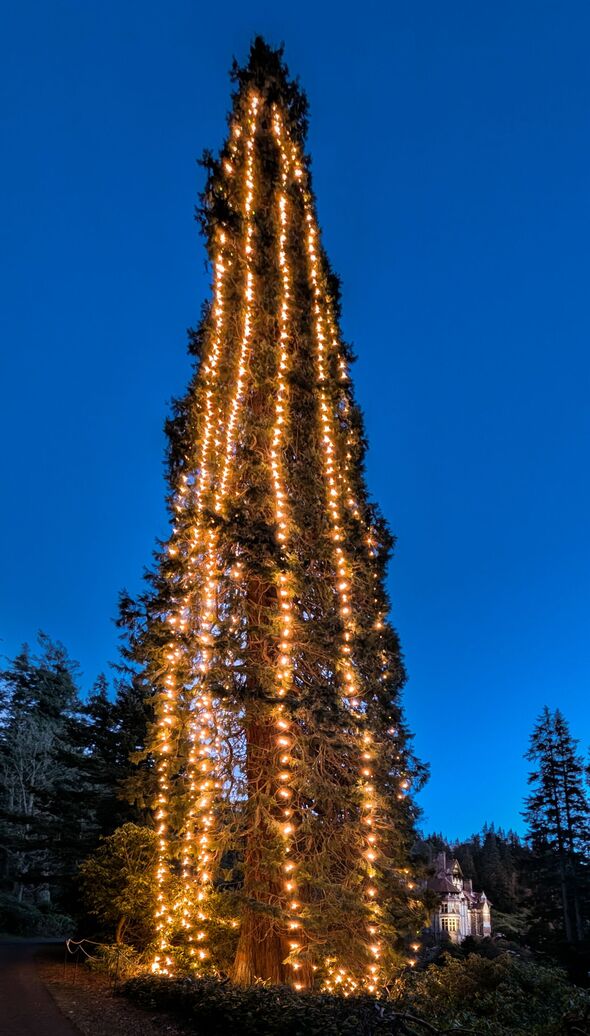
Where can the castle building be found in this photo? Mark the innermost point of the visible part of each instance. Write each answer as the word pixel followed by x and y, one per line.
pixel 461 911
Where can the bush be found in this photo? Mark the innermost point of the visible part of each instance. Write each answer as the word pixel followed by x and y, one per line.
pixel 491 948
pixel 218 1008
pixel 499 997
pixel 118 961
pixel 118 884
pixel 26 919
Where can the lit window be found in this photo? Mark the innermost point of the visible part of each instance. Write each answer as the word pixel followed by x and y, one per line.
pixel 448 924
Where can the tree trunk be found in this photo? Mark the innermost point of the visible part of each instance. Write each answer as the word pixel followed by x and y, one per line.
pixel 567 924
pixel 262 944
pixel 573 883
pixel 121 926
pixel 561 850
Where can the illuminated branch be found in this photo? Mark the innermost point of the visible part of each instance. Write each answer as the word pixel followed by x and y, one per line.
pixel 279 748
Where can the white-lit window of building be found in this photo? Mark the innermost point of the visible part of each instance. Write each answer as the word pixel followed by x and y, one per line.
pixel 448 924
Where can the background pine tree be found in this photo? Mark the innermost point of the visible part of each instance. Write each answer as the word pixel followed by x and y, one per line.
pixel 279 749
pixel 557 813
pixel 64 762
pixel 41 698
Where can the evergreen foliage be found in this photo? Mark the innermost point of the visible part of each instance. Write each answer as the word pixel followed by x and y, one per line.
pixel 278 738
pixel 258 706
pixel 37 762
pixel 557 813
pixel 63 762
pixel 118 884
pixel 498 862
pixel 539 886
pixel 500 997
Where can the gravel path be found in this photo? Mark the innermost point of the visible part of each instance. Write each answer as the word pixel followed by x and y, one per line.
pixel 26 1007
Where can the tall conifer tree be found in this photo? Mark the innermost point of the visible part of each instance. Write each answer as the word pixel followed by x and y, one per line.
pixel 47 814
pixel 558 816
pixel 280 754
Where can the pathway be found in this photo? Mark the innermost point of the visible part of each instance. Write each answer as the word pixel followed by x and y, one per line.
pixel 26 1007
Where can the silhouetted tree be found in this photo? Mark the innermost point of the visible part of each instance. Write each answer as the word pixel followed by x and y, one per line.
pixel 557 813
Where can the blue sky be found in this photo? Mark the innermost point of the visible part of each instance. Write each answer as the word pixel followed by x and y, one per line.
pixel 451 155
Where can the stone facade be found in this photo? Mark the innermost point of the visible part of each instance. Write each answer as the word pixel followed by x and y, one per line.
pixel 461 911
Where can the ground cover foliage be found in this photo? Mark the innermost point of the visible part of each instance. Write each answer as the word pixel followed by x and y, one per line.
pixel 500 997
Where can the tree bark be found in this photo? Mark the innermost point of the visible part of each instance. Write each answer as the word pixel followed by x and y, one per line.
pixel 121 926
pixel 262 945
pixel 560 847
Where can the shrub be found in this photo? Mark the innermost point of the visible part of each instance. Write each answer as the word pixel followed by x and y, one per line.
pixel 118 961
pixel 26 919
pixel 218 1008
pixel 119 884
pixel 499 997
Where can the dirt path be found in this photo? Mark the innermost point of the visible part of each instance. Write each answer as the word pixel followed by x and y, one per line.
pixel 26 1007
pixel 87 998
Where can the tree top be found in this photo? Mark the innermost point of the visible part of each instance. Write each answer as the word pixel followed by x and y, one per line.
pixel 267 72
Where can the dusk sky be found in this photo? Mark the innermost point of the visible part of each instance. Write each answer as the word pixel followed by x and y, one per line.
pixel 451 159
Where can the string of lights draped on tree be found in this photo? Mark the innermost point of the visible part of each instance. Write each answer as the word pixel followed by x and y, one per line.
pixel 278 745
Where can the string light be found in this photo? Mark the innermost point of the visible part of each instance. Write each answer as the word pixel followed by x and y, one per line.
pixel 196 847
pixel 248 305
pixel 205 598
pixel 336 487
pixel 285 595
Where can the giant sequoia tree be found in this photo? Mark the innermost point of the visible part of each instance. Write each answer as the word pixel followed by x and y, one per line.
pixel 280 758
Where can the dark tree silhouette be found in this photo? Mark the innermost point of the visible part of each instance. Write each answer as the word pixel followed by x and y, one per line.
pixel 557 813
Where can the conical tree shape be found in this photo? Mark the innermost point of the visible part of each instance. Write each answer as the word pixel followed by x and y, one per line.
pixel 557 813
pixel 281 756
